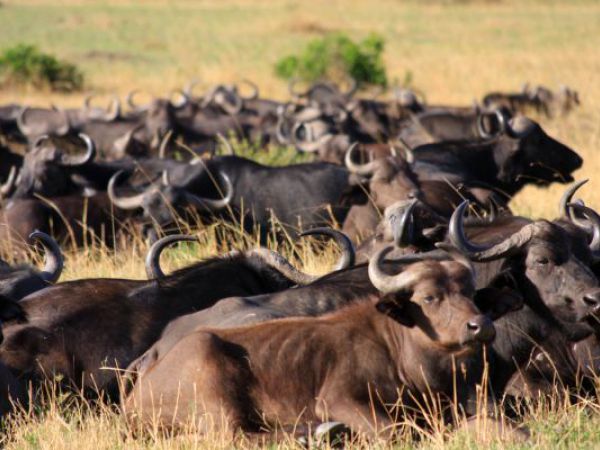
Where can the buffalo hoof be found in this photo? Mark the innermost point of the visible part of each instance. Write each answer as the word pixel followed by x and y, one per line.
pixel 330 434
pixel 335 434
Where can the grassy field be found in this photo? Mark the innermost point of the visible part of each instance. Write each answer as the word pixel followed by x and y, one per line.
pixel 455 51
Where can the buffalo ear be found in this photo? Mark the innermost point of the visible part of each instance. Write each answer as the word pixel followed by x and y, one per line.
pixel 394 307
pixel 11 310
pixel 495 302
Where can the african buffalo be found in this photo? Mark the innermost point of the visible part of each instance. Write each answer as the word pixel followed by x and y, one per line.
pixel 79 327
pixel 295 196
pixel 523 154
pixel 47 169
pixel 402 344
pixel 71 218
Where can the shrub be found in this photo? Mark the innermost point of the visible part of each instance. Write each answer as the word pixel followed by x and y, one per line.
pixel 337 57
pixel 25 64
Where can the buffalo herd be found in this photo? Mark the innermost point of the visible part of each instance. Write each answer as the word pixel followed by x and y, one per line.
pixel 440 291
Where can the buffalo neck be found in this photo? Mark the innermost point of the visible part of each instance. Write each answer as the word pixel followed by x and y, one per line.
pixel 423 366
pixel 475 162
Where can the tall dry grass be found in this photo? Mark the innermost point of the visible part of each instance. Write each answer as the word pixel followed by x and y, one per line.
pixel 455 50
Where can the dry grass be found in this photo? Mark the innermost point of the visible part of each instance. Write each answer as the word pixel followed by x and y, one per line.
pixel 455 50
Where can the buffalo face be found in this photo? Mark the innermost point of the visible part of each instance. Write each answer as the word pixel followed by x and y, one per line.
pixel 566 285
pixel 540 257
pixel 435 300
pixel 526 154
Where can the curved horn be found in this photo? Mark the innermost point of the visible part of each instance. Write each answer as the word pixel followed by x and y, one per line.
pixel 313 147
pixel 121 144
pixel 184 98
pixel 282 265
pixel 53 258
pixel 131 103
pixel 360 169
pixel 254 88
pixel 164 179
pixel 114 110
pixel 25 129
pixel 594 219
pixel 481 127
pixel 519 127
pixel 132 202
pixel 485 252
pixel 567 198
pixel 403 226
pixel 213 204
pixel 39 140
pixel 8 186
pixel 74 161
pixel 232 108
pixel 162 150
pixel 279 132
pixel 226 144
pixel 153 270
pixel 210 95
pixel 348 257
pixel 385 283
pixel 307 131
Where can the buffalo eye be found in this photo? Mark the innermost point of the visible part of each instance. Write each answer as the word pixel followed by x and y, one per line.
pixel 542 260
pixel 428 299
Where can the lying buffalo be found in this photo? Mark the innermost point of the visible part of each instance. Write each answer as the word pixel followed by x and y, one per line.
pixel 419 324
pixel 295 197
pixel 78 328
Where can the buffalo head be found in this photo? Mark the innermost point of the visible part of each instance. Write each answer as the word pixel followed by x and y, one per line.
pixel 434 299
pixel 163 202
pixel 539 256
pixel 526 154
pixel 47 169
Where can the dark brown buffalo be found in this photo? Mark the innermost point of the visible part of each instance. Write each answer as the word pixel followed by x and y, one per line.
pixel 523 154
pixel 544 259
pixel 360 360
pixel 36 122
pixel 390 180
pixel 86 330
pixel 48 169
pixel 72 219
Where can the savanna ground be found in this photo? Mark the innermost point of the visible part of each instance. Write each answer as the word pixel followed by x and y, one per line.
pixel 454 51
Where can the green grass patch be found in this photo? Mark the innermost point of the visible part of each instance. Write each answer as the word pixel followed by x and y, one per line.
pixel 26 65
pixel 337 57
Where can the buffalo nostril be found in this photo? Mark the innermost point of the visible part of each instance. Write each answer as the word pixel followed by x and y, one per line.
pixel 482 329
pixel 473 327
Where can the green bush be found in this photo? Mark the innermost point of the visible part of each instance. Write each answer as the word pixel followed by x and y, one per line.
pixel 337 57
pixel 26 65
